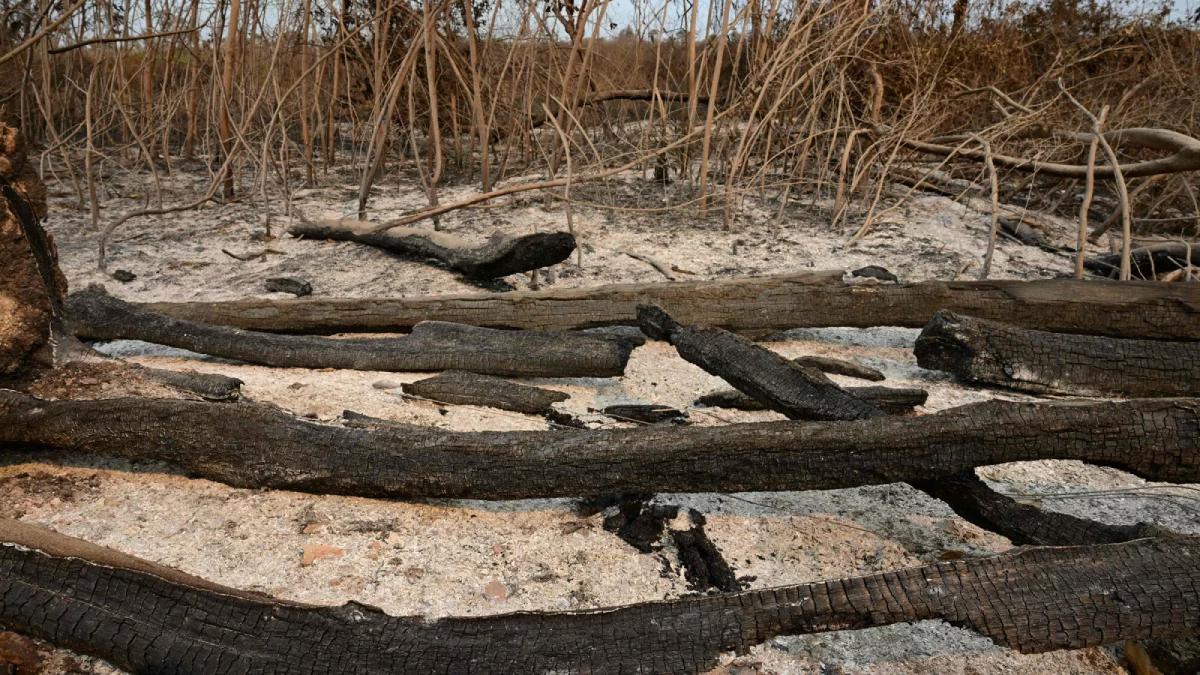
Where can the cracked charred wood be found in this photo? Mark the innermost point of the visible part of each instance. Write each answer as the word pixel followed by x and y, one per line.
pixel 257 446
pixel 145 617
pixel 1148 262
pixel 891 400
pixel 756 305
pixel 498 257
pixel 462 388
pixel 432 345
pixel 993 353
pixel 834 366
pixel 703 565
pixel 794 390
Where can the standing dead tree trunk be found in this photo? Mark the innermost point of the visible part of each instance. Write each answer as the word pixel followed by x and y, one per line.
pixel 36 352
pixel 146 617
pixel 797 391
pixel 750 305
pixel 990 352
pixel 498 257
pixel 432 345
pixel 256 446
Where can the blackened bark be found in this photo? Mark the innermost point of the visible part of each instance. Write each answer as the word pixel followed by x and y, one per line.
pixel 826 364
pixel 148 618
pixel 891 400
pixel 431 346
pixel 756 305
pixel 1148 262
pixel 249 445
pixel 990 352
pixel 497 257
pixel 461 388
pixel 796 391
pixel 1024 524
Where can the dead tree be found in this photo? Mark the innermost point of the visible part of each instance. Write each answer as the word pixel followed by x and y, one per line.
pixel 994 353
pixel 145 617
pixel 36 351
pixel 432 345
pixel 497 257
pixel 258 446
pixel 758 305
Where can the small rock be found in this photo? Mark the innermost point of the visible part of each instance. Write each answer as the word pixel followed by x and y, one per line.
pixel 297 287
pixel 495 591
pixel 414 574
pixel 387 384
pixel 315 552
pixel 124 276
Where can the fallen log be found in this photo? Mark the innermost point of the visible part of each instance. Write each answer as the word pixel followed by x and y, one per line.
pixel 498 257
pixel 1023 524
pixel 891 400
pixel 432 345
pixel 145 617
pixel 257 446
pixel 794 390
pixel 756 305
pixel 993 353
pixel 1148 262
pixel 462 388
pixel 647 413
pixel 834 366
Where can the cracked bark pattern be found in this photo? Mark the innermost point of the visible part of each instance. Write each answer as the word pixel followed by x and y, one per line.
pixel 251 445
pixel 498 257
pixel 748 305
pixel 798 392
pixel 432 345
pixel 461 388
pixel 994 353
pixel 148 618
pixel 891 400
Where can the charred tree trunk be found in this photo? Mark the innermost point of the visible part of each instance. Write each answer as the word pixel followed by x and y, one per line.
pixel 257 446
pixel 833 366
pixel 148 618
pixel 891 400
pixel 460 388
pixel 496 258
pixel 431 346
pixel 796 391
pixel 753 305
pixel 990 352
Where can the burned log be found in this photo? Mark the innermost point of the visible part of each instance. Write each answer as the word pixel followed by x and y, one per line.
pixel 891 400
pixel 757 305
pixel 431 346
pixel 462 388
pixel 1023 524
pixel 257 446
pixel 145 617
pixel 993 353
pixel 796 391
pixel 646 413
pixel 834 366
pixel 498 257
pixel 1148 262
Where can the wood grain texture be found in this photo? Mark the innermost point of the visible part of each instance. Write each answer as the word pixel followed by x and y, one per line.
pixel 147 618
